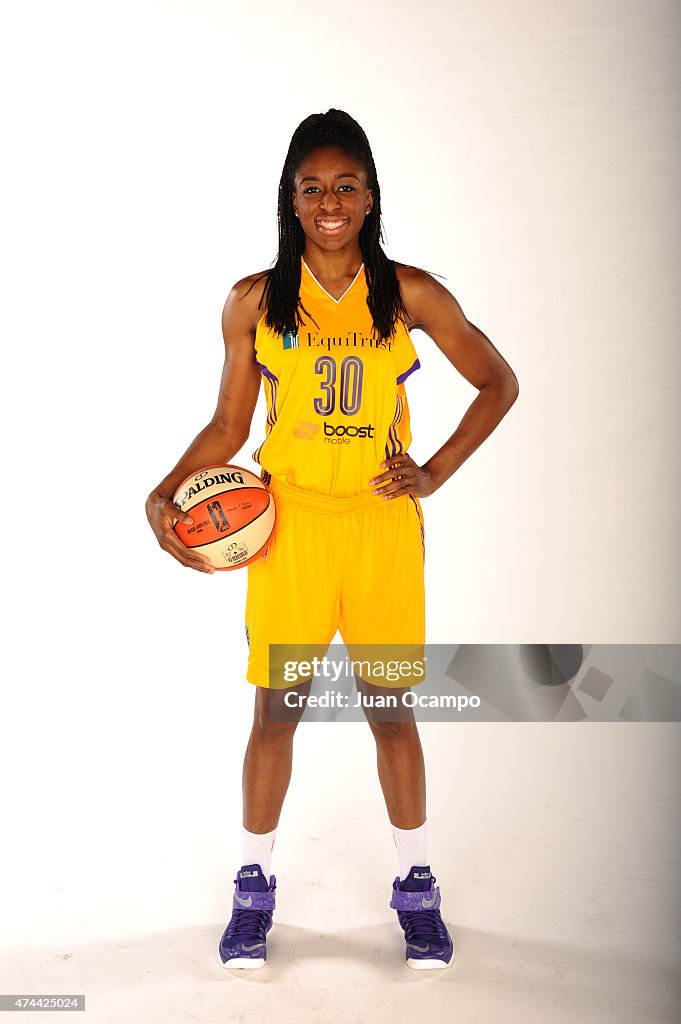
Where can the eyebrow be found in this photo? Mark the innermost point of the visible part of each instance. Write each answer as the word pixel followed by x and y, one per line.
pixel 345 174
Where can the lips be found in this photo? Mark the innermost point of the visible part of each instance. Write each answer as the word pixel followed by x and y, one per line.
pixel 332 225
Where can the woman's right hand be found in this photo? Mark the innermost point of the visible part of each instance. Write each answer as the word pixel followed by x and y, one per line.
pixel 160 512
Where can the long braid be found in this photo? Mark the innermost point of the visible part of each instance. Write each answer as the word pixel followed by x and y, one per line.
pixel 281 292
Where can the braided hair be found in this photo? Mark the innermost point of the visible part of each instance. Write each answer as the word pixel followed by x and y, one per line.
pixel 281 292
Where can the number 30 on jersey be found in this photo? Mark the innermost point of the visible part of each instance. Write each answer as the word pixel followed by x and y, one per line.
pixel 349 385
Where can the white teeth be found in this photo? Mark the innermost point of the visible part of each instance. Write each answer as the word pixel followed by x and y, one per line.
pixel 331 223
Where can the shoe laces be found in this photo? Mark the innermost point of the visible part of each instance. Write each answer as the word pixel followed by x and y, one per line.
pixel 248 923
pixel 423 926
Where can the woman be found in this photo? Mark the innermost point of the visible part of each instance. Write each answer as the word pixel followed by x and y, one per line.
pixel 327 331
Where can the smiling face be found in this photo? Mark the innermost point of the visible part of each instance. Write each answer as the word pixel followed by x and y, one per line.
pixel 331 198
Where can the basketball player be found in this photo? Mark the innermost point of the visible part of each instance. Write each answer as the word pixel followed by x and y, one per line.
pixel 326 332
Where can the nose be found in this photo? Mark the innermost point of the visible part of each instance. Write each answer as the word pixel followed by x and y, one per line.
pixel 329 202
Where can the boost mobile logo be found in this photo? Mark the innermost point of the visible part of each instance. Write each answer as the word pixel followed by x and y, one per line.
pixel 305 431
pixel 348 431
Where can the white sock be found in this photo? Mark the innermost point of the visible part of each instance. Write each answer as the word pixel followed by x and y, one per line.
pixel 257 849
pixel 411 848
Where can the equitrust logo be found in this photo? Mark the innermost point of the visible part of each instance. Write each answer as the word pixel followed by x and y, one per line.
pixel 353 339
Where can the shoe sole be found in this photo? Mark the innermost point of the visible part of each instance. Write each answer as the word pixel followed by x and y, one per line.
pixel 243 963
pixel 425 965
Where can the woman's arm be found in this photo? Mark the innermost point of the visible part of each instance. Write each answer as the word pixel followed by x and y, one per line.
pixel 434 310
pixel 228 430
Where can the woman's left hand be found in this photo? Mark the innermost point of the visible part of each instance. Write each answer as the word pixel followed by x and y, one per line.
pixel 402 476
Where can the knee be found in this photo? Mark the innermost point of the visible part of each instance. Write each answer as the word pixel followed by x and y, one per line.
pixel 272 721
pixel 267 731
pixel 393 732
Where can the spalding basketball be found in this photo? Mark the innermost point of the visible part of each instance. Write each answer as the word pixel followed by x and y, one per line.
pixel 233 514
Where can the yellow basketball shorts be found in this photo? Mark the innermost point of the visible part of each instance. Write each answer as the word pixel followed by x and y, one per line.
pixel 353 564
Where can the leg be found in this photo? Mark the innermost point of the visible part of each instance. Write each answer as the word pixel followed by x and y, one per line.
pixel 383 620
pixel 383 602
pixel 302 556
pixel 268 761
pixel 399 758
pixel 415 897
pixel 266 775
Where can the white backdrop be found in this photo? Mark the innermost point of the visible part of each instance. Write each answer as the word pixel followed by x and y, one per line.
pixel 528 152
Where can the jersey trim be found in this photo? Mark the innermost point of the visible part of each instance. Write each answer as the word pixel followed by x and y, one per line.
pixel 267 373
pixel 394 445
pixel 337 301
pixel 403 376
pixel 273 383
pixel 421 524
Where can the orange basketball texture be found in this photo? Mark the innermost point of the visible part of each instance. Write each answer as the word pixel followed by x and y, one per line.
pixel 233 515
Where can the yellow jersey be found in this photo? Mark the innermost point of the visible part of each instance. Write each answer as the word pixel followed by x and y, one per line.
pixel 336 400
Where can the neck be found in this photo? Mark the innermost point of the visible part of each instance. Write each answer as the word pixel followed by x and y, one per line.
pixel 338 266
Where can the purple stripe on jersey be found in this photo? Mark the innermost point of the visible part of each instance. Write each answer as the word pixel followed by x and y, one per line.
pixel 392 437
pixel 417 511
pixel 423 532
pixel 268 373
pixel 400 406
pixel 272 414
pixel 394 441
pixel 397 445
pixel 403 376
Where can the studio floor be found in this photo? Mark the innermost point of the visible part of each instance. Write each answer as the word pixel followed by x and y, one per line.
pixel 556 848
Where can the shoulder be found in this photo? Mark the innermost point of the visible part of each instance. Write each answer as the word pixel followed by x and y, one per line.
pixel 428 302
pixel 245 300
pixel 419 291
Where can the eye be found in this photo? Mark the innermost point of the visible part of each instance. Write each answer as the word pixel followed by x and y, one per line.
pixel 310 188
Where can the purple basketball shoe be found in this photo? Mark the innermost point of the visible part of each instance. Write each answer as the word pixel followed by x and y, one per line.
pixel 243 942
pixel 417 902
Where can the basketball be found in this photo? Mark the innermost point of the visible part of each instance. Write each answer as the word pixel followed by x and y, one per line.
pixel 233 514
